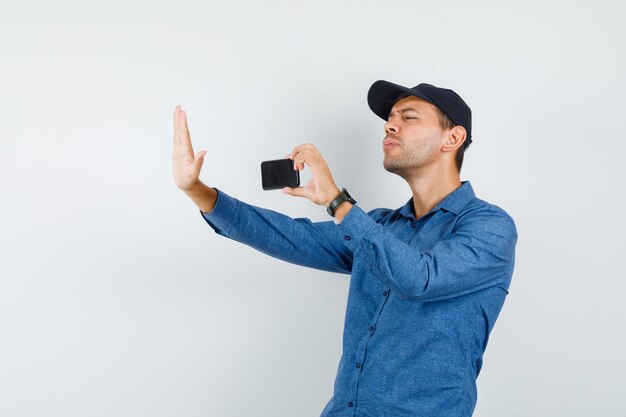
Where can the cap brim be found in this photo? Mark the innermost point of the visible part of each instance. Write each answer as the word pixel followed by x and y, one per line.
pixel 382 94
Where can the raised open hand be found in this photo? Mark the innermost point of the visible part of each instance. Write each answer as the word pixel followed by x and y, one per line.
pixel 185 167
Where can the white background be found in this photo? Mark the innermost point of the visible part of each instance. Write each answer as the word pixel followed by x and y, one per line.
pixel 116 299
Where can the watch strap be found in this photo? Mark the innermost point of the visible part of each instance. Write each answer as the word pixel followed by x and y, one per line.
pixel 339 200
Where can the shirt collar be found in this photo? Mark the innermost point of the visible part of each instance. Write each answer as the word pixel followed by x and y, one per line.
pixel 453 202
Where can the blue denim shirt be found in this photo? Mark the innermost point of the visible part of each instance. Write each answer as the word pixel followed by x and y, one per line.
pixel 424 295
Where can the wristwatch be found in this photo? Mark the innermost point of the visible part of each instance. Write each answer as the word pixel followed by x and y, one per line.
pixel 341 198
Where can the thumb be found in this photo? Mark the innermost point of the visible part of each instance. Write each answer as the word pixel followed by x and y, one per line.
pixel 199 160
pixel 296 192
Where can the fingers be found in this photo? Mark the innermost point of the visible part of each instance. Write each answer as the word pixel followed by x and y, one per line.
pixel 184 129
pixel 306 154
pixel 296 166
pixel 288 156
pixel 297 152
pixel 176 139
pixel 178 124
pixel 183 149
pixel 181 130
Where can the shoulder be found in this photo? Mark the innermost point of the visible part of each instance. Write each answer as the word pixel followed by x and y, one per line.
pixel 480 215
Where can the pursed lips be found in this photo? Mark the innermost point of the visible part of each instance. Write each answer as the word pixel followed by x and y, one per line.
pixel 390 143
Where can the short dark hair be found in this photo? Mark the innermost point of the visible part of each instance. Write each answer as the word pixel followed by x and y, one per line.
pixel 445 123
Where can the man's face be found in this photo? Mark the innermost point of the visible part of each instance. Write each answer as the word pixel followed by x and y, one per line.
pixel 413 137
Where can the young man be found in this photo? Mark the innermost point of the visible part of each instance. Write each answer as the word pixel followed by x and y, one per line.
pixel 428 279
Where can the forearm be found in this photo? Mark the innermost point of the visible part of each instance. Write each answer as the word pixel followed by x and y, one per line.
pixel 203 196
pixel 300 241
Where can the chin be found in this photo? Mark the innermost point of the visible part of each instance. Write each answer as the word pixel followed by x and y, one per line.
pixel 403 168
pixel 393 167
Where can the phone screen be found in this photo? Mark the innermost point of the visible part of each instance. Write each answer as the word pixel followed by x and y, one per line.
pixel 278 174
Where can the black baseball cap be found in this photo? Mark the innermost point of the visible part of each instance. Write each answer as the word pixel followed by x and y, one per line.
pixel 382 95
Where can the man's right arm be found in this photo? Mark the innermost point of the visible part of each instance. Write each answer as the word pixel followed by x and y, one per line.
pixel 299 241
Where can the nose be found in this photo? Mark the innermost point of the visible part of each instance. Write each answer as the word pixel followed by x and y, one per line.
pixel 391 126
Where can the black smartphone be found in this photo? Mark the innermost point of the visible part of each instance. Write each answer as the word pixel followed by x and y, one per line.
pixel 278 174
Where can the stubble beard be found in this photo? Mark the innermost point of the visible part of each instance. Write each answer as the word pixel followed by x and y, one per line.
pixel 409 163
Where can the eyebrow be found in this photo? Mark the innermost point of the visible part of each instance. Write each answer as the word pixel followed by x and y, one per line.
pixel 404 111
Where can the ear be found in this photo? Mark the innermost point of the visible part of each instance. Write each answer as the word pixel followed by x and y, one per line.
pixel 454 139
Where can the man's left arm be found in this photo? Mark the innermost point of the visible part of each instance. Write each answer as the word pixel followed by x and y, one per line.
pixel 478 255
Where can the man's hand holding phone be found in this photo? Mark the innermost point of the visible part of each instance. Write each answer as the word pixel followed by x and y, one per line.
pixel 322 188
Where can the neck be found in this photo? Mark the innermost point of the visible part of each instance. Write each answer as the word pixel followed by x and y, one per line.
pixel 431 186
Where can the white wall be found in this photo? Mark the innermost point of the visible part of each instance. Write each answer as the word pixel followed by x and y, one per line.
pixel 117 299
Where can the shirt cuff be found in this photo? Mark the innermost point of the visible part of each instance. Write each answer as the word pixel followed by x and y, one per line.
pixel 355 226
pixel 223 214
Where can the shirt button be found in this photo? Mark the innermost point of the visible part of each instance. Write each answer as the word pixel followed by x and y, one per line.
pixel 346 237
pixel 350 404
pixel 371 328
pixel 358 365
pixel 385 293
